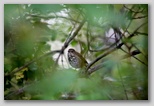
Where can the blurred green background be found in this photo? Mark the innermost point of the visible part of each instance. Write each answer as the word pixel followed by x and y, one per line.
pixel 32 30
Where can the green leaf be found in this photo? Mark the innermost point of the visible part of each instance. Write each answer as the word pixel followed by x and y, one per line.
pixel 46 8
pixel 74 43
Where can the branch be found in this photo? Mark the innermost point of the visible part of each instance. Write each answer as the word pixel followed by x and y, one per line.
pixel 122 82
pixel 133 55
pixel 74 34
pixel 20 90
pixel 95 68
pixel 27 64
pixel 56 16
pixel 137 29
pixel 140 17
pixel 14 93
pixel 67 42
pixel 131 9
pixel 112 45
pixel 52 52
pixel 100 57
pixel 142 33
pixel 113 49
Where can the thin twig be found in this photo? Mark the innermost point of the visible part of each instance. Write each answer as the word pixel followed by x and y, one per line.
pixel 100 57
pixel 27 64
pixel 20 90
pixel 56 16
pixel 74 34
pixel 112 49
pixel 140 17
pixel 142 33
pixel 140 51
pixel 14 93
pixel 134 57
pixel 68 40
pixel 93 69
pixel 123 84
pixel 130 9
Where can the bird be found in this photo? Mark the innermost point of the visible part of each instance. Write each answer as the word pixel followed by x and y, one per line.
pixel 76 60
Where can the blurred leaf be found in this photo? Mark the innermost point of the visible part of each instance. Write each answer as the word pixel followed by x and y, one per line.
pixel 29 27
pixel 118 7
pixel 46 8
pixel 57 83
pixel 74 43
pixel 19 74
pixel 11 10
pixel 7 64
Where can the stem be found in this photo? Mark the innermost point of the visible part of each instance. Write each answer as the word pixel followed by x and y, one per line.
pixel 67 42
pixel 27 64
pixel 123 84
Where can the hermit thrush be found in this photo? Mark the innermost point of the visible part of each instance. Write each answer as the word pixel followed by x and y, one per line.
pixel 76 60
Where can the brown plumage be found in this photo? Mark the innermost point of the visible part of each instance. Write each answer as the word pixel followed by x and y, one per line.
pixel 76 60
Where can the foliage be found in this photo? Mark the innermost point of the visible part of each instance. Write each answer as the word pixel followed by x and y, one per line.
pixel 113 38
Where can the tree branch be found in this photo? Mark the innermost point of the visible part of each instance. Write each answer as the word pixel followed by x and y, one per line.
pixel 112 49
pixel 122 82
pixel 140 17
pixel 100 57
pixel 67 42
pixel 49 17
pixel 74 34
pixel 133 55
pixel 142 33
pixel 131 9
pixel 27 64
pixel 95 68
